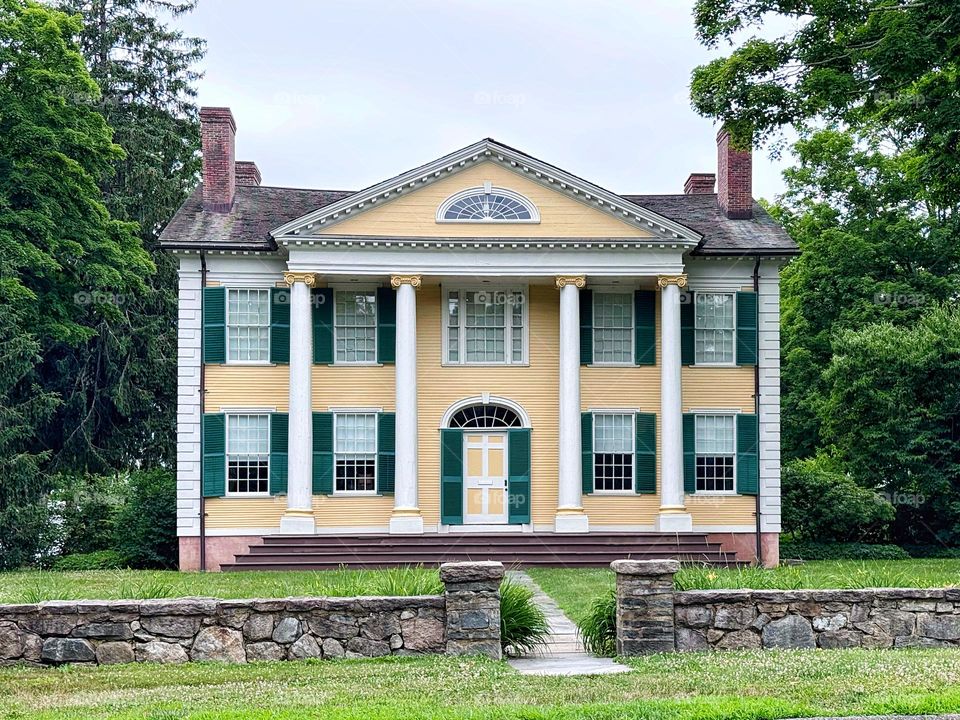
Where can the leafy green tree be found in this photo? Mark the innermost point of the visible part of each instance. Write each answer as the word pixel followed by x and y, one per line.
pixel 872 250
pixel 57 241
pixel 119 389
pixel 146 525
pixel 890 64
pixel 893 414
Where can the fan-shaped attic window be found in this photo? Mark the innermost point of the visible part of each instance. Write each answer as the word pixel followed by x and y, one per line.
pixel 487 204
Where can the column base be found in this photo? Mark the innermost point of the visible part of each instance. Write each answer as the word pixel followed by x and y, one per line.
pixel 406 523
pixel 298 523
pixel 571 522
pixel 674 522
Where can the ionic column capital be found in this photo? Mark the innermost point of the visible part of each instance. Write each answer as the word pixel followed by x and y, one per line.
pixel 397 280
pixel 308 279
pixel 563 280
pixel 679 280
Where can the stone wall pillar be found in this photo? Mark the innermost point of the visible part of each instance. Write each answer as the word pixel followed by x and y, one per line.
pixel 472 592
pixel 645 606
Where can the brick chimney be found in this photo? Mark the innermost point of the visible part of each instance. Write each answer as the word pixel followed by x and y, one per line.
pixel 700 184
pixel 247 172
pixel 217 138
pixel 734 179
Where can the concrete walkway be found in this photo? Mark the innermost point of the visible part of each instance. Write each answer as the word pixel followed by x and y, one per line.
pixel 563 653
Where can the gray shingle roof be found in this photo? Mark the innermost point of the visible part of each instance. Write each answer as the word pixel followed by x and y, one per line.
pixel 259 209
pixel 760 235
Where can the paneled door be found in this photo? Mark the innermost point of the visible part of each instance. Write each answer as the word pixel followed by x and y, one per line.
pixel 485 477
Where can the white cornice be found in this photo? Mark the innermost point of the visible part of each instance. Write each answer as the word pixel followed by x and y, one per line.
pixel 489 150
pixel 324 241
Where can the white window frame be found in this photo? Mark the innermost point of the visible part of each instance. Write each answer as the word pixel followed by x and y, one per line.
pixel 632 413
pixel 227 324
pixel 487 188
pixel 370 289
pixel 697 453
pixel 708 291
pixel 233 413
pixel 376 444
pixel 462 326
pixel 632 329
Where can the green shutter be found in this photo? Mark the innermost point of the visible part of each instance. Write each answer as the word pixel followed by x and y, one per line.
pixel 386 452
pixel 746 328
pixel 748 460
pixel 645 472
pixel 279 425
pixel 214 442
pixel 214 325
pixel 689 453
pixel 451 477
pixel 645 327
pixel 586 452
pixel 688 349
pixel 322 299
pixel 586 327
pixel 322 453
pixel 279 325
pixel 518 489
pixel 386 325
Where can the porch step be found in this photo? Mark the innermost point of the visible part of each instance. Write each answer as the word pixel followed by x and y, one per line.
pixel 322 552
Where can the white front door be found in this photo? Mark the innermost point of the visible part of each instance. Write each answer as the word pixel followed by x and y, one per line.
pixel 485 477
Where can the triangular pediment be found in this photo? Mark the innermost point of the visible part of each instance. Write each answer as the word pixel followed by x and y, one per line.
pixel 564 206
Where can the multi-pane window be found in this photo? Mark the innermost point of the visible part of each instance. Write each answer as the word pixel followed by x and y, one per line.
pixel 612 328
pixel 355 326
pixel 485 326
pixel 714 327
pixel 248 454
pixel 716 453
pixel 248 325
pixel 355 452
pixel 489 204
pixel 613 439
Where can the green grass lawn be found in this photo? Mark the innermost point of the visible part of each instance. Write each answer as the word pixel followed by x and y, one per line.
pixel 575 589
pixel 744 685
pixel 33 586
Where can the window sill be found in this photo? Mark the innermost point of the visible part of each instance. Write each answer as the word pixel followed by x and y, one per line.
pixel 715 493
pixel 715 365
pixel 485 364
pixel 247 496
pixel 352 364
pixel 246 363
pixel 617 365
pixel 617 493
pixel 349 494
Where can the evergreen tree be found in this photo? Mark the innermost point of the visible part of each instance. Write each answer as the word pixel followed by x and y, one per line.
pixel 58 244
pixel 119 390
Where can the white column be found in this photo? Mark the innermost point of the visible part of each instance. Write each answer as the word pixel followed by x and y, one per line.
pixel 406 518
pixel 673 515
pixel 298 518
pixel 570 515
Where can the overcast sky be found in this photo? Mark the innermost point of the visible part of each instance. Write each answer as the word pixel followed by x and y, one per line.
pixel 340 95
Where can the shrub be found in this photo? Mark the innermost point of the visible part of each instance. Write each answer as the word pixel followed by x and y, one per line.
pixel 821 503
pixel 523 626
pixel 841 551
pixel 84 509
pixel 599 628
pixel 932 551
pixel 146 525
pixel 99 560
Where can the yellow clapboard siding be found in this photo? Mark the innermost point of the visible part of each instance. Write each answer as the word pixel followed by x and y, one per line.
pixel 414 214
pixel 535 388
pixel 718 387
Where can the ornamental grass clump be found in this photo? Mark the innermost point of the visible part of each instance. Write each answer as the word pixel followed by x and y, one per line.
pixel 598 629
pixel 523 626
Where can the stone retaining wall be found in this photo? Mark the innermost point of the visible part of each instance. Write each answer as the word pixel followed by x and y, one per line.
pixel 651 618
pixel 464 620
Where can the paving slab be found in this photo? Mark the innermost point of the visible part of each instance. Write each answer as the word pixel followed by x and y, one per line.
pixel 563 652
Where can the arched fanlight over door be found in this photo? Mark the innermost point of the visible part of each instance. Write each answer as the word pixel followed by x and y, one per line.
pixel 485 417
